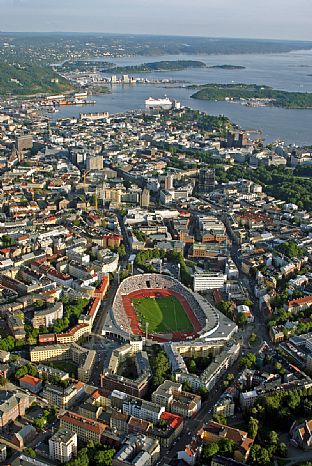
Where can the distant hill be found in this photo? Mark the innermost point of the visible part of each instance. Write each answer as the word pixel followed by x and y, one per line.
pixel 57 47
pixel 28 79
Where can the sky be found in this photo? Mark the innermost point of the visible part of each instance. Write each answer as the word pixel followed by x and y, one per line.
pixel 276 19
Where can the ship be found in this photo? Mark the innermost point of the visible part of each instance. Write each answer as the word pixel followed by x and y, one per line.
pixel 164 104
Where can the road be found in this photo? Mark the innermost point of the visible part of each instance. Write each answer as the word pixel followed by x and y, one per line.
pixel 104 347
pixel 192 425
pixel 99 343
pixel 104 308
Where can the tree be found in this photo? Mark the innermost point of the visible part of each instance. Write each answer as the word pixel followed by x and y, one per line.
pixel 226 447
pixel 273 438
pixel 210 450
pixel 140 236
pixel 30 452
pixel 160 366
pixel 272 403
pixel 248 302
pixel 293 400
pixel 278 366
pixel 253 427
pixel 220 419
pixel 31 370
pixel 122 251
pixel 249 360
pixel 226 307
pixel 259 456
pixel 290 249
pixel 203 392
pixel 76 222
pixel 192 366
pixel 27 369
pixel 241 319
pixel 253 338
pixel 162 423
pixel 40 422
pixel 82 458
pixel 21 372
pixel 8 240
pixel 282 450
pixel 104 457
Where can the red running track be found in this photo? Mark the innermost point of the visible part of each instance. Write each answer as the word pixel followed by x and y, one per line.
pixel 154 293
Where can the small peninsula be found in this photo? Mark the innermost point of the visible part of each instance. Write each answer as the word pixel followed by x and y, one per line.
pixel 253 95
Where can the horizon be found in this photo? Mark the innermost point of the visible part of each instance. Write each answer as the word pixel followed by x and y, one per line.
pixel 282 20
pixel 143 34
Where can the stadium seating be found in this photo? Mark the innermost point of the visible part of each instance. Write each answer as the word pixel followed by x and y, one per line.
pixel 203 315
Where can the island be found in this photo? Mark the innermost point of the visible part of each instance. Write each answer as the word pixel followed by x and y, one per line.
pixel 228 67
pixel 252 95
pixel 174 65
pixel 23 79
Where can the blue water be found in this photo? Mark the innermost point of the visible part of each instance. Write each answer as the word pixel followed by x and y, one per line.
pixel 288 71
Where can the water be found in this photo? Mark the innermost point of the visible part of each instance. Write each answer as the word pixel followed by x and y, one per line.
pixel 288 71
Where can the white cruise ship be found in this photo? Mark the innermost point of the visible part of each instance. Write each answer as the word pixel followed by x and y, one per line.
pixel 165 103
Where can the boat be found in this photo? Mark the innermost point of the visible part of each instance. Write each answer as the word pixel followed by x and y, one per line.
pixel 165 103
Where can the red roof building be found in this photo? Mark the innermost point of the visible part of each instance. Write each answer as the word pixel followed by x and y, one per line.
pixel 31 383
pixel 302 303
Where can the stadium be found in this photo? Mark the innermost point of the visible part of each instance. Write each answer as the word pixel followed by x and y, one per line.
pixel 161 308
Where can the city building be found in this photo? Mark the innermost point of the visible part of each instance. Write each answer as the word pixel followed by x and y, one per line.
pixel 24 436
pixel 63 446
pixel 213 431
pixel 63 397
pixel 47 317
pixel 169 182
pixel 225 406
pixel 206 180
pixel 86 429
pixel 12 405
pixel 28 382
pixel 175 400
pixel 142 409
pixel 145 198
pixel 137 450
pixel 208 281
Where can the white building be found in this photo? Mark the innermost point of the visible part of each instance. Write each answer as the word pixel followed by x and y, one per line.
pixel 231 270
pixel 63 446
pixel 142 409
pixel 243 309
pixel 225 406
pixel 3 453
pixel 208 281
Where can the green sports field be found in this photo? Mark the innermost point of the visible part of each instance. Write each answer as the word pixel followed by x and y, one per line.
pixel 164 315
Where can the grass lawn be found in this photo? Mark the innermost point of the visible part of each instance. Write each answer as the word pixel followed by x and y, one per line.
pixel 164 315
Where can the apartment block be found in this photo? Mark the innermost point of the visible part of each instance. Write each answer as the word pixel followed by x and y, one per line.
pixel 86 429
pixel 63 446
